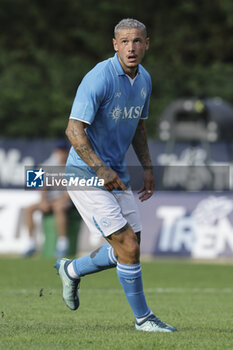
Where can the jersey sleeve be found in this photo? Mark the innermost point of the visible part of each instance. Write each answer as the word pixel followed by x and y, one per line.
pixel 145 110
pixel 90 94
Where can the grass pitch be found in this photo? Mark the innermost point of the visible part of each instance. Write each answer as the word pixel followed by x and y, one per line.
pixel 196 298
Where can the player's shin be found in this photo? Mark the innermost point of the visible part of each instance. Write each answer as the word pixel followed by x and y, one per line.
pixel 130 277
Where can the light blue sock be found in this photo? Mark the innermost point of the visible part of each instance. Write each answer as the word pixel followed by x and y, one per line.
pixel 130 277
pixel 100 259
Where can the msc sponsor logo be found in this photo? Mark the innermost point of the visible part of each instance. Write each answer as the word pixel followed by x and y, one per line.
pixel 116 113
pixel 134 112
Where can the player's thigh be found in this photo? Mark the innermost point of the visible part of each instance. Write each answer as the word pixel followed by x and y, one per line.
pixel 129 209
pixel 100 211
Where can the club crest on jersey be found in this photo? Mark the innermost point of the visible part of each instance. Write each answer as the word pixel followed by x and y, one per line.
pixel 143 93
pixel 105 222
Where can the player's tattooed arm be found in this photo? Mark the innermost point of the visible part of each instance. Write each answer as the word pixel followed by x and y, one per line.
pixel 141 149
pixel 76 134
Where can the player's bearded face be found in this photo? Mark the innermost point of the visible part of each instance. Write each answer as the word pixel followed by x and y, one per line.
pixel 130 45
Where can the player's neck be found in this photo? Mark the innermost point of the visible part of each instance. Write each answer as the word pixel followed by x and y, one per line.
pixel 132 73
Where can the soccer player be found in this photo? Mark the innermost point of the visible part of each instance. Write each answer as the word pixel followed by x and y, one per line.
pixel 108 115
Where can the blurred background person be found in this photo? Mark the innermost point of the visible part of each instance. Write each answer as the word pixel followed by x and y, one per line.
pixel 52 200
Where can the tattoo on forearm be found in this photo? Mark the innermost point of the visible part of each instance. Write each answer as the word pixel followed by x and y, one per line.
pixel 82 146
pixel 77 133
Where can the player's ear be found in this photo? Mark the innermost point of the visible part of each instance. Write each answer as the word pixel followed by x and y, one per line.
pixel 115 44
pixel 147 43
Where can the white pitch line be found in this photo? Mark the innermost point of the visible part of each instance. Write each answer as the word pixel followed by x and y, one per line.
pixel 49 291
pixel 163 290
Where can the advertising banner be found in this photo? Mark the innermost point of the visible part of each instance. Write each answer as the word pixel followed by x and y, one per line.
pixel 197 225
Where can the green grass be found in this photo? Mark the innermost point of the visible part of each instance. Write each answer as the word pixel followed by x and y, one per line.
pixel 196 298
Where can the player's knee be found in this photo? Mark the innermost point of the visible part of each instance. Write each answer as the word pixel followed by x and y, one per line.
pixel 133 252
pixel 126 246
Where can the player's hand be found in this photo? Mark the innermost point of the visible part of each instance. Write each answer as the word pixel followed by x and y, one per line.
pixel 111 179
pixel 148 189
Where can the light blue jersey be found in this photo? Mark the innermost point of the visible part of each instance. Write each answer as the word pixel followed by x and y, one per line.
pixel 112 105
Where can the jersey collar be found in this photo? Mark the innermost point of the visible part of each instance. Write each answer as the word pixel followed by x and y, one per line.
pixel 117 66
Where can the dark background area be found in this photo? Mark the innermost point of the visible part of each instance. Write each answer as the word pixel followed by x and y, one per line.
pixel 46 47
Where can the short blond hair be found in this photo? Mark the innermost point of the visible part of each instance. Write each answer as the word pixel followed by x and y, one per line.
pixel 130 23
